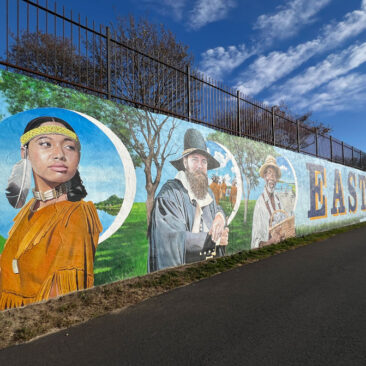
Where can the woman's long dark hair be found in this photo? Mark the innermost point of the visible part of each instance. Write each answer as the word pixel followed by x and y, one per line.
pixel 77 190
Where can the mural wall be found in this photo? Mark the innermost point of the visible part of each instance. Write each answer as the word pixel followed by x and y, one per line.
pixel 94 192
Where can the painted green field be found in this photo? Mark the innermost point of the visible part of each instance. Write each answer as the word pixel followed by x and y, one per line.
pixel 240 234
pixel 124 254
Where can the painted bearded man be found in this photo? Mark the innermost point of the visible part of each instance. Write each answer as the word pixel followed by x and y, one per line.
pixel 268 210
pixel 186 224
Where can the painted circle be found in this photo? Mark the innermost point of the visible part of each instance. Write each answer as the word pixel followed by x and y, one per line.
pixel 130 177
pixel 238 178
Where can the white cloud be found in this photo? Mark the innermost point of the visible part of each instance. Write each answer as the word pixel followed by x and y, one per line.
pixel 209 11
pixel 342 93
pixel 289 18
pixel 353 24
pixel 173 8
pixel 284 168
pixel 264 71
pixel 221 158
pixel 333 66
pixel 219 61
pixel 176 6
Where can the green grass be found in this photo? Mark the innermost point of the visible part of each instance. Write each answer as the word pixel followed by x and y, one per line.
pixel 124 254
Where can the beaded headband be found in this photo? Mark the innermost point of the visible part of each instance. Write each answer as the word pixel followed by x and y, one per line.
pixel 47 130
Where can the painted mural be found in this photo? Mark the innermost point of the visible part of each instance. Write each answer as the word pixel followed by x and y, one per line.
pixel 95 192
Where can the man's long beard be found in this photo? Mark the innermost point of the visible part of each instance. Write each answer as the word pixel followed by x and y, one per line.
pixel 198 183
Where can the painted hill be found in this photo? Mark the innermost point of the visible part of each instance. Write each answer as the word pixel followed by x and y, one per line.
pixel 111 205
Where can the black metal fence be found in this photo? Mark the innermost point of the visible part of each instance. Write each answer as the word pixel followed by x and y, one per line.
pixel 42 41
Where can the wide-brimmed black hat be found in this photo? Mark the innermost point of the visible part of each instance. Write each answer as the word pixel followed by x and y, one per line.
pixel 194 143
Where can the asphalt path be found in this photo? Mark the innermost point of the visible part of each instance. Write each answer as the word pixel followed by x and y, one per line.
pixel 303 307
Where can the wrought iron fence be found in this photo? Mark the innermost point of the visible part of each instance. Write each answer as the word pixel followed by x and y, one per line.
pixel 76 53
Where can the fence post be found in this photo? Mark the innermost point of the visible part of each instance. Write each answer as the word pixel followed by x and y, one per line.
pixel 343 152
pixel 238 112
pixel 316 142
pixel 188 93
pixel 353 164
pixel 108 35
pixel 331 148
pixel 273 126
pixel 359 163
pixel 298 135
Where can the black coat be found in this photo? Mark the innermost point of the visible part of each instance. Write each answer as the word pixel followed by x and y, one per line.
pixel 171 240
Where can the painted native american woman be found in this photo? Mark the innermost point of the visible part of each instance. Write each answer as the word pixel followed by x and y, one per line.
pixel 51 246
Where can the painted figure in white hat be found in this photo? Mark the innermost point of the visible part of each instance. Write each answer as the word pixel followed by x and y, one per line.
pixel 268 210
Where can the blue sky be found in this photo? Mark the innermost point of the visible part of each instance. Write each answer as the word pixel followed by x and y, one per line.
pixel 311 54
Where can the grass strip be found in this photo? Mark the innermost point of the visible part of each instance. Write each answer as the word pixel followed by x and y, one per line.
pixel 23 324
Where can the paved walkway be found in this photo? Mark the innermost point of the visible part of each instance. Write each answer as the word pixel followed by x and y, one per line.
pixel 303 307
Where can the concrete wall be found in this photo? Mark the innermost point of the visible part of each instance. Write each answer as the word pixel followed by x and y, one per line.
pixel 125 165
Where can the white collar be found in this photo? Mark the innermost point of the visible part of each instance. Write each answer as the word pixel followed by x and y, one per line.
pixel 181 176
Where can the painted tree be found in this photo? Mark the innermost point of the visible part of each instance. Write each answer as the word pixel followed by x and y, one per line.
pixel 150 138
pixel 250 156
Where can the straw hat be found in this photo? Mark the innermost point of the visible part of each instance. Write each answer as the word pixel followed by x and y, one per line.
pixel 270 162
pixel 194 143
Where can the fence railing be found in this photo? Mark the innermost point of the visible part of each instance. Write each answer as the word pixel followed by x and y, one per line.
pixel 42 41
